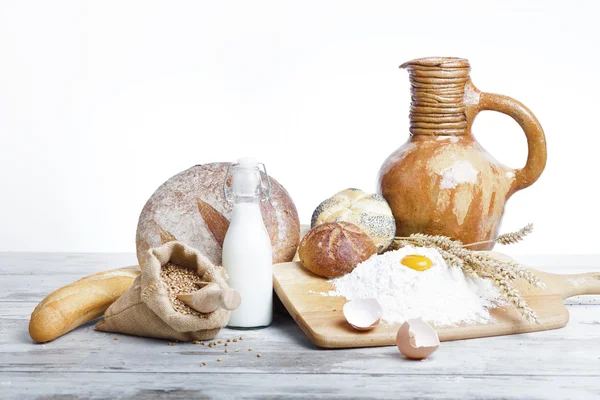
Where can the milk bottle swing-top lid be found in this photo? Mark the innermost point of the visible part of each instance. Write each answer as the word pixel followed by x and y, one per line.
pixel 247 181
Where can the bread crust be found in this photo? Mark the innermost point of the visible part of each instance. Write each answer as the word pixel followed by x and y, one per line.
pixel 190 207
pixel 369 211
pixel 334 249
pixel 79 302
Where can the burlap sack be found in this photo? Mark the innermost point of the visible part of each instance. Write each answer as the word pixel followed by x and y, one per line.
pixel 145 309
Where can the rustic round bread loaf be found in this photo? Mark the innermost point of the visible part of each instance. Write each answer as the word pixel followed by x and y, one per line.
pixel 370 212
pixel 334 249
pixel 190 207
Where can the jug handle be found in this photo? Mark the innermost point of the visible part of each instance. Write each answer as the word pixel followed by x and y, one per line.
pixel 536 140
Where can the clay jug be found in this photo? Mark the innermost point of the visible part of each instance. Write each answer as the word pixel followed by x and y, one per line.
pixel 441 181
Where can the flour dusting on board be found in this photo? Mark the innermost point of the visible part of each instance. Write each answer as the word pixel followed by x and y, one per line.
pixel 441 295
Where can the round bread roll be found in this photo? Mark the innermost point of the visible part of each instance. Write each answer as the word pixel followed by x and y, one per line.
pixel 370 212
pixel 334 249
pixel 190 207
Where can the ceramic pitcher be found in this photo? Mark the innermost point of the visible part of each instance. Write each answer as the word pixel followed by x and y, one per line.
pixel 441 181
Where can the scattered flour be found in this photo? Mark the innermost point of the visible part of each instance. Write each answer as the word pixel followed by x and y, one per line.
pixel 441 295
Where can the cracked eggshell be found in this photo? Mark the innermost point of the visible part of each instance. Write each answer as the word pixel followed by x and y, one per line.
pixel 363 314
pixel 416 339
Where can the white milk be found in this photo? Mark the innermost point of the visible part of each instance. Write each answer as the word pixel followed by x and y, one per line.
pixel 247 252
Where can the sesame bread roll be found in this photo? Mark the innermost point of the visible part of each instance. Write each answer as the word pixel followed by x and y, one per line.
pixel 370 212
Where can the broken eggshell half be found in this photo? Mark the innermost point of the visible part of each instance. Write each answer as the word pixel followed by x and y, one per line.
pixel 363 314
pixel 416 339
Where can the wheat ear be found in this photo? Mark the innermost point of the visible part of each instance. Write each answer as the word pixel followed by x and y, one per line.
pixel 507 238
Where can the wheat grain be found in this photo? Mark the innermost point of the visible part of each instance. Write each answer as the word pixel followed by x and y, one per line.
pixel 178 280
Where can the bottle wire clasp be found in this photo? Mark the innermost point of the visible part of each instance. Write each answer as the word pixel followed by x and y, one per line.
pixel 265 184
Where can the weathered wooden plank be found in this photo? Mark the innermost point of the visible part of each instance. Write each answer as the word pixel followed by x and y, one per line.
pixel 555 364
pixel 573 350
pixel 86 263
pixel 62 263
pixel 204 384
pixel 35 287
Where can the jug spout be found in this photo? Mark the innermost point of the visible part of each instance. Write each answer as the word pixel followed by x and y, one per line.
pixel 438 95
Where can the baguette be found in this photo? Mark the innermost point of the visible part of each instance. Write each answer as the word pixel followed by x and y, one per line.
pixel 70 306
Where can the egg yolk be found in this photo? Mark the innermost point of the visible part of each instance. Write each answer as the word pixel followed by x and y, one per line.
pixel 417 262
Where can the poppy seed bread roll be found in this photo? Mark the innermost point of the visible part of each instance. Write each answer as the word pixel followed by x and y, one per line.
pixel 334 249
pixel 370 212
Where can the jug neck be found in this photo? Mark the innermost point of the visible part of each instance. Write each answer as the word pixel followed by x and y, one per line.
pixel 437 96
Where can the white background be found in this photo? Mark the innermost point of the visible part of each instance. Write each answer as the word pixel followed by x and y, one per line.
pixel 100 102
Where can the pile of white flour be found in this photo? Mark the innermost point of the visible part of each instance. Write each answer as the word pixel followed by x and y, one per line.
pixel 441 295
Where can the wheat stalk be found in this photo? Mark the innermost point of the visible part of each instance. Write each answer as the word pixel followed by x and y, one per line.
pixel 476 264
pixel 514 237
pixel 507 238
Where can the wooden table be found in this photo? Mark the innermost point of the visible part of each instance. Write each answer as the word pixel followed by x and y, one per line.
pixel 563 363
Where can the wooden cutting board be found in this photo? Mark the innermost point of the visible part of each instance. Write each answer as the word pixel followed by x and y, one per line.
pixel 321 318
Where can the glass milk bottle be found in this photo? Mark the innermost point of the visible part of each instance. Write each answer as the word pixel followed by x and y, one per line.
pixel 247 253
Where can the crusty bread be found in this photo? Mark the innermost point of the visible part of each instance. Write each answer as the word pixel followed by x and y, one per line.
pixel 370 212
pixel 81 301
pixel 190 207
pixel 334 249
